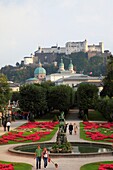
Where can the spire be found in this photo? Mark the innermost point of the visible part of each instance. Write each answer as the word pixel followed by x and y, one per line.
pixel 70 67
pixel 61 66
pixel 39 63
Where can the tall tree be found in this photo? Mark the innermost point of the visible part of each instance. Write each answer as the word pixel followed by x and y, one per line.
pixel 5 93
pixel 105 107
pixel 108 80
pixel 60 97
pixel 87 94
pixel 32 99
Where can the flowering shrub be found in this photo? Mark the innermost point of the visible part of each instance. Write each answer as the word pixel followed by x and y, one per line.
pixel 20 136
pixel 106 167
pixel 6 166
pixel 92 130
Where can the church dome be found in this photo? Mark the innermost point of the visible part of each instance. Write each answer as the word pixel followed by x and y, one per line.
pixel 39 70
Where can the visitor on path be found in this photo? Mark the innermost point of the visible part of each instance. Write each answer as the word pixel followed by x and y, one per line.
pixel 65 127
pixel 75 128
pixel 38 155
pixel 4 124
pixel 8 124
pixel 45 157
pixel 70 128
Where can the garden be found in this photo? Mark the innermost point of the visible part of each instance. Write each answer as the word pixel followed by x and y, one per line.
pixel 107 165
pixel 14 166
pixel 30 132
pixel 93 131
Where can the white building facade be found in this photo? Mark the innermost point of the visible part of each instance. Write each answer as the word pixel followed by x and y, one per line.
pixel 73 47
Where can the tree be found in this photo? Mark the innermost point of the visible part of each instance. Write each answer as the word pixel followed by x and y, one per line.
pixel 32 99
pixel 15 96
pixel 87 95
pixel 5 92
pixel 60 97
pixel 108 80
pixel 105 107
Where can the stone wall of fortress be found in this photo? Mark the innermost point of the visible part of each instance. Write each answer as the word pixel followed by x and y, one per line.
pixel 73 47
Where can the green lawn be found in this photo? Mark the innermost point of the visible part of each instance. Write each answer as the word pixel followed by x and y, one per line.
pixel 82 132
pixel 19 166
pixel 96 116
pixel 94 166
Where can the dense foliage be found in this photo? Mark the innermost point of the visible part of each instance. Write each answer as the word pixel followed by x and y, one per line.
pixel 5 93
pixel 105 107
pixel 37 99
pixel 60 97
pixel 32 98
pixel 87 95
pixel 108 80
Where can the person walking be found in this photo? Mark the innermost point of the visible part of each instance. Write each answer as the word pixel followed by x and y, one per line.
pixel 45 157
pixel 65 127
pixel 38 155
pixel 70 128
pixel 8 124
pixel 4 124
pixel 75 128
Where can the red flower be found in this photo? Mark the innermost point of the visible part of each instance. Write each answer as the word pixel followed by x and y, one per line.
pixel 20 137
pixel 106 167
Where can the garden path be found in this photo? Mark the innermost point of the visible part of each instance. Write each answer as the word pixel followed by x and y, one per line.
pixel 64 163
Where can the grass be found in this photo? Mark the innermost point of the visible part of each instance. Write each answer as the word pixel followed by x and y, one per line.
pixel 82 132
pixel 94 166
pixel 18 166
pixel 96 116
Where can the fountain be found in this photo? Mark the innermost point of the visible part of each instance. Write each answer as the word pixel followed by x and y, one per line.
pixel 61 145
pixel 63 148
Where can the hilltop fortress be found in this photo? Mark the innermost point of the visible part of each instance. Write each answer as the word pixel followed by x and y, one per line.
pixel 73 47
pixel 49 55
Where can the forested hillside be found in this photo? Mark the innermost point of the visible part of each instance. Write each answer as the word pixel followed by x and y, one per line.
pixel 95 65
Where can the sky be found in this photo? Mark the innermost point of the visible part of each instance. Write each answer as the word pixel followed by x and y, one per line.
pixel 27 24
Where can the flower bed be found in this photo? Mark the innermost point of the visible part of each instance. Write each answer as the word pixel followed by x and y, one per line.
pixel 106 167
pixel 99 131
pixel 6 166
pixel 36 130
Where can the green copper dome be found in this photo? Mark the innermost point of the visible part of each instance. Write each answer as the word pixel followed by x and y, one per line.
pixel 61 63
pixel 70 65
pixel 39 70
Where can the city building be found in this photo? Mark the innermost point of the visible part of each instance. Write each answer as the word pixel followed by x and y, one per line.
pixel 71 78
pixel 39 75
pixel 14 86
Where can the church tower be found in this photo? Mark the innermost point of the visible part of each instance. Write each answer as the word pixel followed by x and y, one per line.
pixel 61 66
pixel 70 67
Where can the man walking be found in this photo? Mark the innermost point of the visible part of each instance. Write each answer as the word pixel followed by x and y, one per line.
pixel 38 155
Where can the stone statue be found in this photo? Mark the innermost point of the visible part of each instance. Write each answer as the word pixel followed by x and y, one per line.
pixel 61 122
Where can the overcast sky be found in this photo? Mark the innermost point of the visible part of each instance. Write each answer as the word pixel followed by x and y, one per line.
pixel 27 24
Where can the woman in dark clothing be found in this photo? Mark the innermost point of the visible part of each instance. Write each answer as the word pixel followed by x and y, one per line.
pixel 70 128
pixel 4 124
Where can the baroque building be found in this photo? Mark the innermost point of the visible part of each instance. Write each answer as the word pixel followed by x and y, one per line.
pixel 39 75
